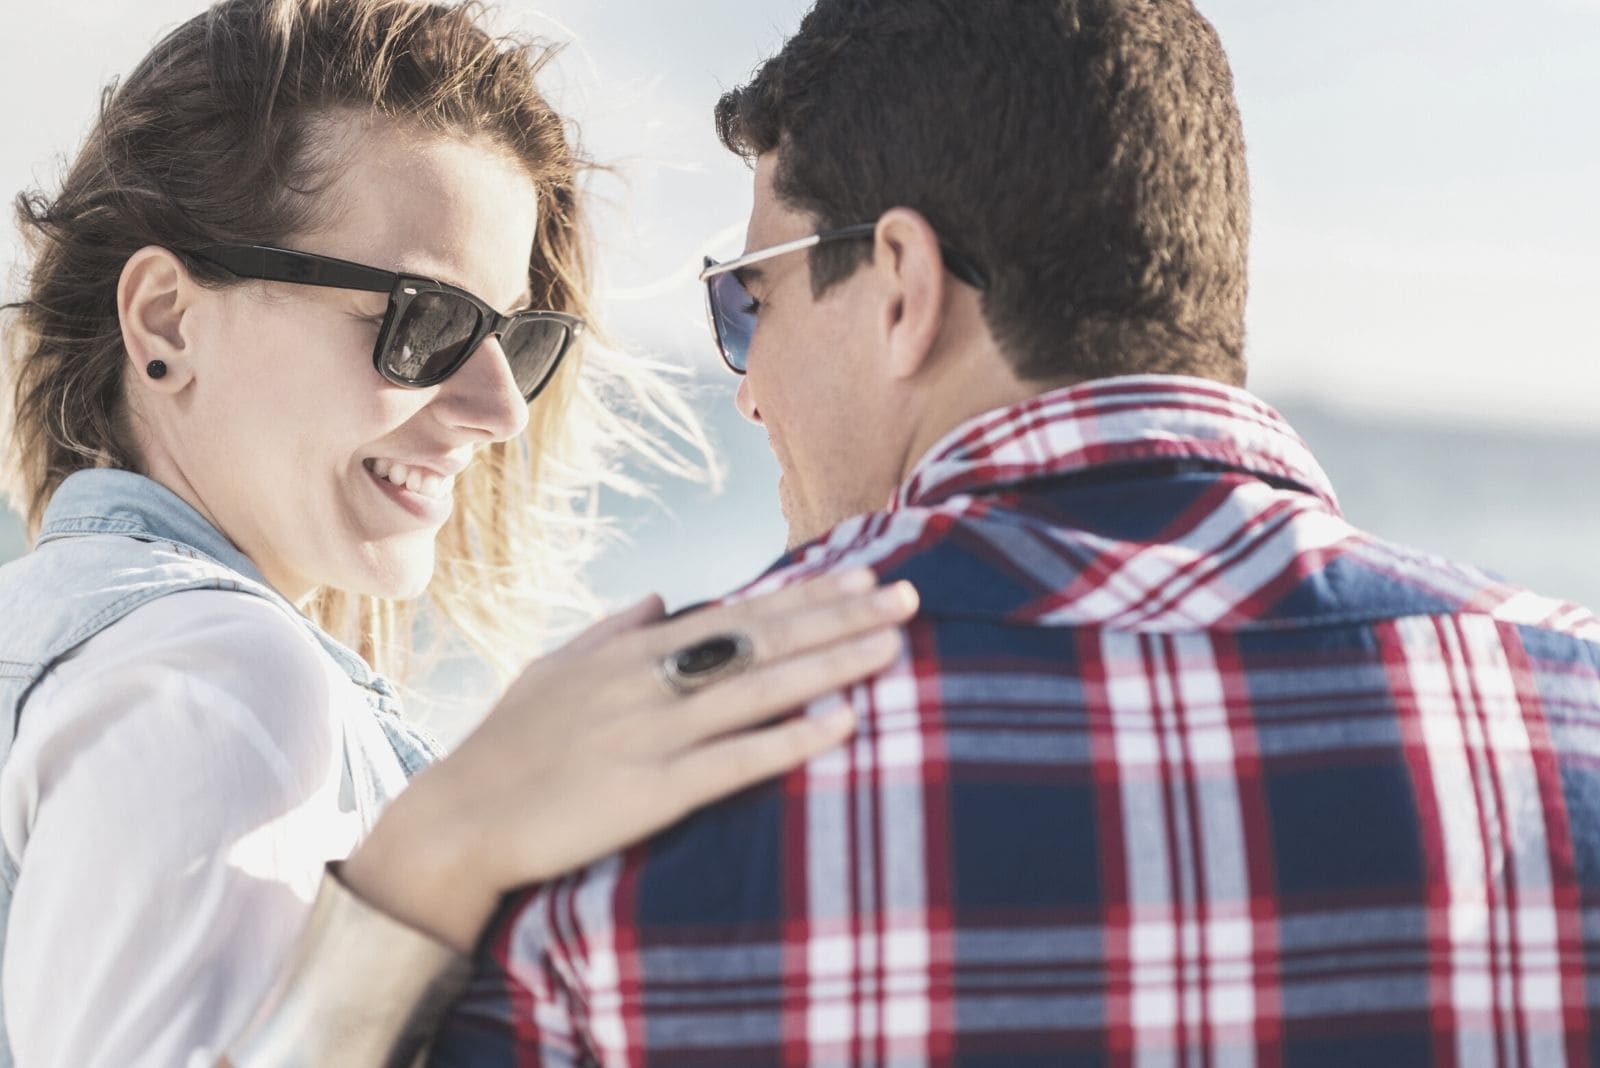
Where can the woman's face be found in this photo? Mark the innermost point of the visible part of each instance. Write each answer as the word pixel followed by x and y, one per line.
pixel 288 439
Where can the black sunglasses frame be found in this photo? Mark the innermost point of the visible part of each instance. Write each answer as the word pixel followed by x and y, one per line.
pixel 268 264
pixel 959 265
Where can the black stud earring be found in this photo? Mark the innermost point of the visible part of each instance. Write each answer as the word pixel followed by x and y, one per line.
pixel 156 369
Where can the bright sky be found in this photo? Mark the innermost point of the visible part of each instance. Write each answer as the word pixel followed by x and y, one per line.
pixel 1426 234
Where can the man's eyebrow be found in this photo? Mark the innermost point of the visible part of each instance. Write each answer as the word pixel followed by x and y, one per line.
pixel 746 275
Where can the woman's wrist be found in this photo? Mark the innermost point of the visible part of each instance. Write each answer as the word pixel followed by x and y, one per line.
pixel 418 865
pixel 359 989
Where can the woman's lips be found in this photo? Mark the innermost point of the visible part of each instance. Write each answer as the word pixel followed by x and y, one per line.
pixel 430 509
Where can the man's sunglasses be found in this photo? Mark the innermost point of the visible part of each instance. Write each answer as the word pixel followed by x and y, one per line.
pixel 732 308
pixel 430 328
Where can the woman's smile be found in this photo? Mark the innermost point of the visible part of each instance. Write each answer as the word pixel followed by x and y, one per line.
pixel 423 493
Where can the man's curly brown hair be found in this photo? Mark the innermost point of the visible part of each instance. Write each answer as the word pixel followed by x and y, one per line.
pixel 1088 155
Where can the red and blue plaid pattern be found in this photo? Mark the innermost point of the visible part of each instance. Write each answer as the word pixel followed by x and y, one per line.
pixel 1177 768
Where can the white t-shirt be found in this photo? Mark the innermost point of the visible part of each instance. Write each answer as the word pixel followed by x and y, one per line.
pixel 173 794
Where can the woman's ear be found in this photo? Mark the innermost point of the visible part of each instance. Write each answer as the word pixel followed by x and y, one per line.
pixel 908 253
pixel 154 296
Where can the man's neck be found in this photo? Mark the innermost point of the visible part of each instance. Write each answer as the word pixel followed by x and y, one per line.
pixel 984 383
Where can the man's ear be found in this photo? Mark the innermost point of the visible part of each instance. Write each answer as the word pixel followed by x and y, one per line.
pixel 154 296
pixel 908 253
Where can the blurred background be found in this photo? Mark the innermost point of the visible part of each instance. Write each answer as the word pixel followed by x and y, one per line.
pixel 1425 257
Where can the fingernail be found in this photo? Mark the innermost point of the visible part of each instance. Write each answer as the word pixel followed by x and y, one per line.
pixel 901 597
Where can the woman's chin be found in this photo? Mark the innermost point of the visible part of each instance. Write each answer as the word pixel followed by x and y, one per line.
pixel 393 574
pixel 409 584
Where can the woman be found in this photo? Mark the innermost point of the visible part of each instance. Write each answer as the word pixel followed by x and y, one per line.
pixel 302 343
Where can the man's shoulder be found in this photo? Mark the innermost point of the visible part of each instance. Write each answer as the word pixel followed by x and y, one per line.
pixel 1366 579
pixel 1284 562
pixel 942 550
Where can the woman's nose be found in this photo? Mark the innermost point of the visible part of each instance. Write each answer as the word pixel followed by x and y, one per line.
pixel 483 395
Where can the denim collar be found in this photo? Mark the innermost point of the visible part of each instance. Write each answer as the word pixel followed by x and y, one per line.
pixel 108 501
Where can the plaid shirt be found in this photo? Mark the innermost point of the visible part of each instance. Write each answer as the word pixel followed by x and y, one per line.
pixel 1178 767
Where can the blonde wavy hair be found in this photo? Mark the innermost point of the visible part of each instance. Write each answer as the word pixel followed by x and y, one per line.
pixel 213 139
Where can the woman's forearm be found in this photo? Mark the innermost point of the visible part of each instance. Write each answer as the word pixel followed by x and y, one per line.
pixel 360 989
pixel 386 946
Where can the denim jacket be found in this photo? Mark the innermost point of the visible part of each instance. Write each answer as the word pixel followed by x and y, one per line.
pixel 112 541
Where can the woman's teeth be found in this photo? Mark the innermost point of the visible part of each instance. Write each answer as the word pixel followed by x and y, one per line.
pixel 414 479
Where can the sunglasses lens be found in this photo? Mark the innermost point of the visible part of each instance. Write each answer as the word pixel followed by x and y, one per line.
pixel 731 317
pixel 431 338
pixel 534 348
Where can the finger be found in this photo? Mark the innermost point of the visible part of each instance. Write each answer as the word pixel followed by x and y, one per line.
pixel 801 631
pixel 761 693
pixel 810 625
pixel 709 772
pixel 646 610
pixel 743 615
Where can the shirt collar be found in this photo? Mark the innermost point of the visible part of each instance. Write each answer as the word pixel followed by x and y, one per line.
pixel 1124 421
pixel 109 501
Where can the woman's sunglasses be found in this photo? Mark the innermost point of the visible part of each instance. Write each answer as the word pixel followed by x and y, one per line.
pixel 731 308
pixel 430 328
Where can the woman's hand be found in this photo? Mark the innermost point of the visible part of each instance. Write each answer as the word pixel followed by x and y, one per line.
pixel 590 750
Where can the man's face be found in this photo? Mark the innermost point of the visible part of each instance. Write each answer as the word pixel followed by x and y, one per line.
pixel 815 378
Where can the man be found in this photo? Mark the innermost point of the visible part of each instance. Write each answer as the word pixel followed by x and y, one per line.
pixel 1177 767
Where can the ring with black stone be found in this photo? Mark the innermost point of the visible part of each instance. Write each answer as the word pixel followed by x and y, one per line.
pixel 699 665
